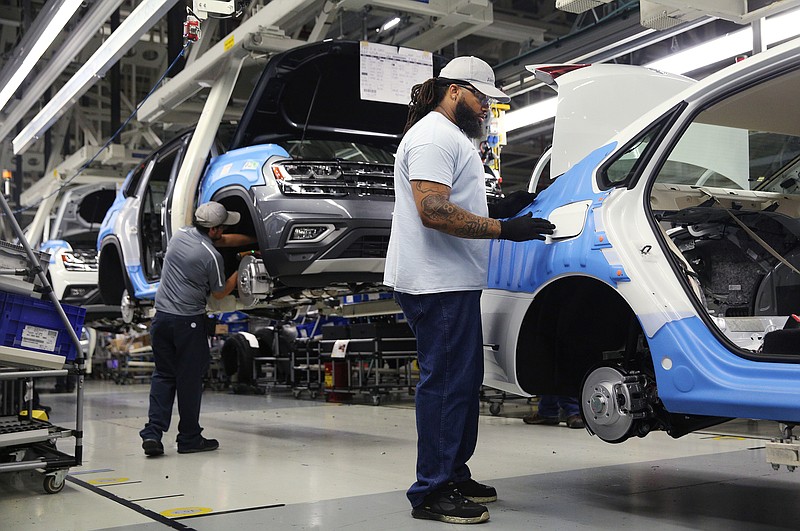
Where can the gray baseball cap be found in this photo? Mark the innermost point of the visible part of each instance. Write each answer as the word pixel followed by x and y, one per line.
pixel 213 214
pixel 477 73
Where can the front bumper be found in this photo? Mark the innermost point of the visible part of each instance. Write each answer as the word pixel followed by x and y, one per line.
pixel 351 249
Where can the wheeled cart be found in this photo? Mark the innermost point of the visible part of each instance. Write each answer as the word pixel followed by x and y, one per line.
pixel 27 443
pixel 496 398
pixel 369 366
pixel 306 368
pixel 33 328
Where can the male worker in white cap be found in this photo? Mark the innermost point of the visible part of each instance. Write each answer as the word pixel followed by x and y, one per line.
pixel 437 264
pixel 192 269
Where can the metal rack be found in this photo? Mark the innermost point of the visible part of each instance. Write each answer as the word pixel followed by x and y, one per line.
pixel 133 366
pixel 27 443
pixel 374 367
pixel 306 368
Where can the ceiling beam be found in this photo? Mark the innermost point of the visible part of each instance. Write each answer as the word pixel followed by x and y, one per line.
pixel 206 68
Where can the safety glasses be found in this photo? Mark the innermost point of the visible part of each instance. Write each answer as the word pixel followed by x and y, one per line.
pixel 482 98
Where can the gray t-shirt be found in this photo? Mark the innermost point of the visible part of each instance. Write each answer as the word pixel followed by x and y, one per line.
pixel 423 260
pixel 192 269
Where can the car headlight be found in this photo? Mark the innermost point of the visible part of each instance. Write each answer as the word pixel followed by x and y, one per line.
pixel 79 260
pixel 309 178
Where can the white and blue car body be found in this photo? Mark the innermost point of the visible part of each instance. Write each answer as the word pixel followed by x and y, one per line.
pixel 666 298
pixel 309 168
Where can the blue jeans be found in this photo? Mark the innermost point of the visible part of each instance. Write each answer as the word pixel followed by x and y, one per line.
pixel 181 354
pixel 549 404
pixel 447 327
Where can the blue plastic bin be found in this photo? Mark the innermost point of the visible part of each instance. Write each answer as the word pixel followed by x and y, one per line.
pixel 34 324
pixel 235 321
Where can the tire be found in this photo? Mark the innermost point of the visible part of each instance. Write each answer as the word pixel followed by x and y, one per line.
pixel 237 358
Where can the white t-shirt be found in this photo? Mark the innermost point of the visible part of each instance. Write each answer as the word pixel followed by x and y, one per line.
pixel 423 260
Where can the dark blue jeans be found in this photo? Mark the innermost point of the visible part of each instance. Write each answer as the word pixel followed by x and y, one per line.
pixel 181 353
pixel 450 357
pixel 549 404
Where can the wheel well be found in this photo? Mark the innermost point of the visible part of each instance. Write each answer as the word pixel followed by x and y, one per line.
pixel 111 277
pixel 234 201
pixel 572 325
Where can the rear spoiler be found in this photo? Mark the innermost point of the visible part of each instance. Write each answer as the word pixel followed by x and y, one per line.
pixel 547 74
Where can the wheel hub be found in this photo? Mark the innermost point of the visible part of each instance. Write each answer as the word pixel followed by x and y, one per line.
pixel 598 403
pixel 127 307
pixel 254 281
pixel 601 410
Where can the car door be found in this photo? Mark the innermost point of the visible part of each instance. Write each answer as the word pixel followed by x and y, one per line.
pixel 153 194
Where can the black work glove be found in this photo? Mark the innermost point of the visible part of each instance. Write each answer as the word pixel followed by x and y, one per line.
pixel 511 204
pixel 525 228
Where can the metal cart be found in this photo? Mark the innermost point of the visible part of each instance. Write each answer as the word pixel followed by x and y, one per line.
pixel 306 368
pixel 27 443
pixel 373 366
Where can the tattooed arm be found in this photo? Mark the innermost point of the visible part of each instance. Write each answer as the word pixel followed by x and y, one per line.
pixel 437 212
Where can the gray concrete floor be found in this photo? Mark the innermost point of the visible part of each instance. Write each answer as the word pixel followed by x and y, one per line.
pixel 287 463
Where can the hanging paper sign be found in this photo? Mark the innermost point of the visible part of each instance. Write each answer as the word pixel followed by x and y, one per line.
pixel 389 72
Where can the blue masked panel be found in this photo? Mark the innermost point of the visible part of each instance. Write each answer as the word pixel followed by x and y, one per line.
pixel 53 246
pixel 240 167
pixel 524 266
pixel 705 378
pixel 142 289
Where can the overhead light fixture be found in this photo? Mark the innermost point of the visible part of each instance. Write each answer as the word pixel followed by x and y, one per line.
pixel 579 6
pixel 54 26
pixel 661 17
pixel 390 24
pixel 776 29
pixel 141 19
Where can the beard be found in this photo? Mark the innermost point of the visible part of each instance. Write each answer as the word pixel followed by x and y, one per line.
pixel 468 120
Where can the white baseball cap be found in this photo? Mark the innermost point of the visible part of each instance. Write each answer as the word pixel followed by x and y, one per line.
pixel 213 214
pixel 477 73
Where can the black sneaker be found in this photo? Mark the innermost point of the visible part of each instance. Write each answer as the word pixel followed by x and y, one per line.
pixel 452 507
pixel 152 447
pixel 476 492
pixel 206 445
pixel 535 418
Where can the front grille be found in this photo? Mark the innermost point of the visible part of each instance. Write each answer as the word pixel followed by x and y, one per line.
pixel 338 178
pixel 367 247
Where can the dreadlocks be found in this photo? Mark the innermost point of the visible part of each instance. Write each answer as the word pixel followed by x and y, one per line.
pixel 424 98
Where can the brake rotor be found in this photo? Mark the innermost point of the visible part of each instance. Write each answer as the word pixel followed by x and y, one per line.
pixel 254 283
pixel 127 307
pixel 600 407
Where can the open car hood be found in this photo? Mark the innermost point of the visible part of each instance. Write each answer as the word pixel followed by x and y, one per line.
pixel 318 83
